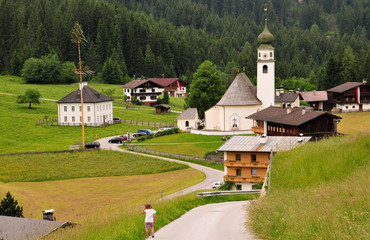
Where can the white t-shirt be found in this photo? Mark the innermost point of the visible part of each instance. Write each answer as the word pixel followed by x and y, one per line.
pixel 149 213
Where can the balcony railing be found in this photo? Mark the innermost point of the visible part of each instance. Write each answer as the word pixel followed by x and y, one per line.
pixel 231 178
pixel 232 163
pixel 258 130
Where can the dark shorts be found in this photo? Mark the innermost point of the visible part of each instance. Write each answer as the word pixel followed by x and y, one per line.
pixel 149 225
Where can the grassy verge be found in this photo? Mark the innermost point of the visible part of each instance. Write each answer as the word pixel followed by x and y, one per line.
pixel 354 122
pixel 318 191
pixel 46 167
pixel 128 223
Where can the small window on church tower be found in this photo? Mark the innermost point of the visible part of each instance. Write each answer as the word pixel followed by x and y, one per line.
pixel 271 54
pixel 259 54
pixel 264 68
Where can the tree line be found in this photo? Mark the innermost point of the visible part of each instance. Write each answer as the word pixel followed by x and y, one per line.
pixel 319 43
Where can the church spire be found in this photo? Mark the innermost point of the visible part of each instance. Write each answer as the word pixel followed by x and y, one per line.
pixel 266 37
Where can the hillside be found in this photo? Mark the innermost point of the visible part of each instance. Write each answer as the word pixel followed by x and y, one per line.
pixel 318 191
pixel 315 40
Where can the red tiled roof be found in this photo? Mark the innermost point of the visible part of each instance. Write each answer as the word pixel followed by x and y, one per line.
pixel 137 83
pixel 314 96
pixel 167 81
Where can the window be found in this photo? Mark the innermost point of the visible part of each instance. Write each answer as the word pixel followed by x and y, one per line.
pixel 271 54
pixel 65 108
pixel 103 107
pixel 353 106
pixel 238 187
pixel 88 108
pixel 264 69
pixel 253 158
pixel 73 108
pixel 142 90
pixel 100 108
pixel 238 172
pixel 79 108
pixel 73 119
pixel 238 157
pixel 186 123
pixel 89 119
pixel 142 98
pixel 153 90
pixel 65 119
pixel 80 119
pixel 153 97
pixel 254 171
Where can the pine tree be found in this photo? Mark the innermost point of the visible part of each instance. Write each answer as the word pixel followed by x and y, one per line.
pixel 9 207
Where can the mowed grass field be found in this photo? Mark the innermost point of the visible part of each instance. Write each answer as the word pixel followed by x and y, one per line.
pixel 77 184
pixel 19 132
pixel 183 143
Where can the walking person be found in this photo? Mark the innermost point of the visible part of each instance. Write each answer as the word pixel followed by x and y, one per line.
pixel 150 218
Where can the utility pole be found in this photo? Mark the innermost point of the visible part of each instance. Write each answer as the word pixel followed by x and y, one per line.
pixel 78 37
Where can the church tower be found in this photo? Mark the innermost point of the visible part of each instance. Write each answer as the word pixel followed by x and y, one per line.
pixel 266 69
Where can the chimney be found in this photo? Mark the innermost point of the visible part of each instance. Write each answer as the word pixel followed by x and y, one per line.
pixel 277 92
pixel 303 111
pixel 48 214
pixel 263 139
pixel 288 110
pixel 314 92
pixel 364 81
pixel 83 85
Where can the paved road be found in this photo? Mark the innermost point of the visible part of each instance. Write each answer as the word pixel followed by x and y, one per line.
pixel 218 221
pixel 212 175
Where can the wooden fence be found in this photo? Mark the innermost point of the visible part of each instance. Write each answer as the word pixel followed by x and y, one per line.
pixel 147 123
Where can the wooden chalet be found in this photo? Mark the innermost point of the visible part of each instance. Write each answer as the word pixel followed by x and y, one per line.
pixel 145 90
pixel 246 158
pixel 275 121
pixel 350 97
pixel 175 86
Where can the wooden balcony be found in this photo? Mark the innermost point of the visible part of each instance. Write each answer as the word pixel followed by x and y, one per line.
pixel 243 178
pixel 258 130
pixel 233 163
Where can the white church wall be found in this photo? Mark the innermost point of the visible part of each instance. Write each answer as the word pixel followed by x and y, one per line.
pixel 211 118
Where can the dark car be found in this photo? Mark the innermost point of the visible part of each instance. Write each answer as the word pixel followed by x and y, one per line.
pixel 92 145
pixel 117 120
pixel 116 140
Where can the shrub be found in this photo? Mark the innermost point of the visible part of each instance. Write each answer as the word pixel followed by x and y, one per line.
pixel 226 186
pixel 9 207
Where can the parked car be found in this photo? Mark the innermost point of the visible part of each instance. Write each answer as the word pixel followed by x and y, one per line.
pixel 117 120
pixel 140 134
pixel 164 129
pixel 146 131
pixel 124 137
pixel 116 140
pixel 92 145
pixel 216 185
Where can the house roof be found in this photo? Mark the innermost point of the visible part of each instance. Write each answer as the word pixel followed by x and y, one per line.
pixel 162 106
pixel 137 83
pixel 287 97
pixel 26 228
pixel 241 92
pixel 314 96
pixel 190 113
pixel 90 95
pixel 296 117
pixel 344 87
pixel 167 81
pixel 253 144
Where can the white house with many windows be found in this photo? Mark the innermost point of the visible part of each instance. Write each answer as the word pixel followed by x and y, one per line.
pixel 146 91
pixel 98 108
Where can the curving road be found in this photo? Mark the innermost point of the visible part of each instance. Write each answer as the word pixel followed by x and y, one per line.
pixel 218 221
pixel 212 175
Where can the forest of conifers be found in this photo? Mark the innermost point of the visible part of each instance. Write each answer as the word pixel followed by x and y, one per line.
pixel 322 43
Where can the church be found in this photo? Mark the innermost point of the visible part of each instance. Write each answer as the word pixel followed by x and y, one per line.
pixel 242 98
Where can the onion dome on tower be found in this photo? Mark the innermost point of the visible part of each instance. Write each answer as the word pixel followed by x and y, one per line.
pixel 265 37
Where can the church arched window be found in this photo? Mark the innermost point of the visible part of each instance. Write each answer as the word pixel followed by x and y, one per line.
pixel 264 69
pixel 186 123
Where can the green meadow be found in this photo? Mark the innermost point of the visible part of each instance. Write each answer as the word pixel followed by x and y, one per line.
pixel 19 132
pixel 318 191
